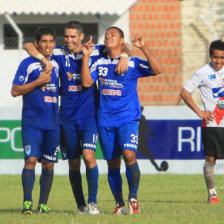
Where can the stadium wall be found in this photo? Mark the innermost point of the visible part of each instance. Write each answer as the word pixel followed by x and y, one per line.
pixel 169 142
pixel 179 33
pixel 160 23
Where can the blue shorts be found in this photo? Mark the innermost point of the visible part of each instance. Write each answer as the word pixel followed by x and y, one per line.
pixel 41 143
pixel 113 140
pixel 78 135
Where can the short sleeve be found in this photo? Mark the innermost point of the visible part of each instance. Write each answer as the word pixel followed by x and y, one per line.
pixel 20 76
pixel 142 67
pixel 194 82
pixel 93 71
pixel 97 52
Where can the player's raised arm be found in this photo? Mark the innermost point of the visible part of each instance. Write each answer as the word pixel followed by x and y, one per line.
pixel 87 80
pixel 33 52
pixel 155 65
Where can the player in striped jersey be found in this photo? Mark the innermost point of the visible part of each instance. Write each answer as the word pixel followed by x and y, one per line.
pixel 209 79
pixel 119 110
pixel 40 118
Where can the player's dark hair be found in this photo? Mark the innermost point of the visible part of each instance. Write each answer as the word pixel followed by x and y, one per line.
pixel 42 30
pixel 74 25
pixel 118 29
pixel 216 45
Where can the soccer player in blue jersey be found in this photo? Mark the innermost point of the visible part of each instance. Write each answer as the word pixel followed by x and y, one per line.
pixel 119 110
pixel 40 118
pixel 78 114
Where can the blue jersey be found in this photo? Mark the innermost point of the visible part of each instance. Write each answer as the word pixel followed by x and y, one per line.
pixel 77 102
pixel 119 101
pixel 40 106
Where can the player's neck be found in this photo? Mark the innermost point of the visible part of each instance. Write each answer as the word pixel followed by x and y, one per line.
pixel 47 57
pixel 114 53
pixel 77 50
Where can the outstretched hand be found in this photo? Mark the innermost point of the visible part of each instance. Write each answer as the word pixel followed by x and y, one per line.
pixel 88 46
pixel 138 41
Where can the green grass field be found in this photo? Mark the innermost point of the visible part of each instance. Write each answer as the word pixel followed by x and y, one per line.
pixel 163 199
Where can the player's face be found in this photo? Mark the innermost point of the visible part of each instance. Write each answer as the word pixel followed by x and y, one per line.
pixel 217 59
pixel 46 45
pixel 73 40
pixel 113 39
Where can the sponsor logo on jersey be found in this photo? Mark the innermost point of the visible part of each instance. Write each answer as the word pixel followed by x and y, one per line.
pixel 220 103
pixel 89 145
pixel 212 77
pixel 27 149
pixel 130 145
pixel 111 92
pixel 52 158
pixel 51 87
pixel 70 76
pixel 21 78
pixel 111 83
pixel 49 99
pixel 75 88
pixel 73 76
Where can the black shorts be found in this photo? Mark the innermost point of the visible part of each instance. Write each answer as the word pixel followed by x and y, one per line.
pixel 213 141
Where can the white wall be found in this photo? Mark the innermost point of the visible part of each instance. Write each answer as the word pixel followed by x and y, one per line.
pixel 9 63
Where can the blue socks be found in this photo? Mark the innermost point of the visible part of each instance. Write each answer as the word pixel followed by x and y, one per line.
pixel 76 183
pixel 115 182
pixel 46 180
pixel 28 179
pixel 92 179
pixel 133 177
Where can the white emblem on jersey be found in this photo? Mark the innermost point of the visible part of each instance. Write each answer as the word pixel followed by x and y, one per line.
pixel 27 149
pixel 21 78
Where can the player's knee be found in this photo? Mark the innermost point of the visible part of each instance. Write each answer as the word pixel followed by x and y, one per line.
pixel 89 158
pixel 88 155
pixel 74 164
pixel 210 159
pixel 30 163
pixel 115 163
pixel 49 166
pixel 129 157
